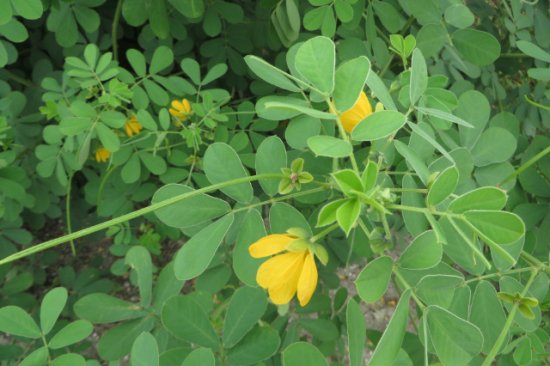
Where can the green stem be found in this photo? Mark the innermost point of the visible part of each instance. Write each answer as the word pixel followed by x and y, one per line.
pixel 18 79
pixel 68 213
pixel 504 332
pixel 132 215
pixel 407 286
pixel 323 233
pixel 469 242
pixel 420 210
pixel 535 262
pixel 114 29
pixel 500 274
pixel 416 190
pixel 532 102
pixel 279 199
pixel 527 164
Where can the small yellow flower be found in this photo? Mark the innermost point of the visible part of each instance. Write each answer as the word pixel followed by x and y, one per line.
pixel 357 113
pixel 286 274
pixel 132 126
pixel 181 109
pixel 102 155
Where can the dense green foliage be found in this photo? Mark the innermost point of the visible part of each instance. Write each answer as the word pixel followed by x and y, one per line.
pixel 146 144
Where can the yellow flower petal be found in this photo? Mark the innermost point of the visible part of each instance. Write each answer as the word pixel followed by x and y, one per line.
pixel 176 104
pixel 307 281
pixel 269 245
pixel 275 268
pixel 102 155
pixel 357 113
pixel 283 286
pixel 186 106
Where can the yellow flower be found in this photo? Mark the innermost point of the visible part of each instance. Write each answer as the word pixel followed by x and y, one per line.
pixel 181 109
pixel 102 155
pixel 286 274
pixel 132 126
pixel 357 113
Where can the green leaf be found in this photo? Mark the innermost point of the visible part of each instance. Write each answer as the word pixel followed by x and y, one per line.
pixel 200 356
pixel 145 351
pixel 378 88
pixel 247 306
pixel 137 61
pixel 250 230
pixel 455 340
pixel 192 9
pixel 347 214
pixel 283 216
pixel 478 47
pixel 369 176
pixel 261 343
pixel 459 15
pixel 413 160
pixel 69 359
pixel 139 259
pixel 71 333
pixel 425 11
pixel 390 17
pixel 270 73
pixel 300 129
pixel 473 107
pixel 158 18
pixel 6 11
pixel 28 9
pixel 190 211
pixel 197 253
pixel 487 314
pixel 294 109
pixel 424 252
pixel 52 306
pixel 117 342
pixel 444 115
pixel 348 181
pixel 329 146
pixel 303 354
pixel 327 214
pixel 419 76
pixel 184 317
pixel 107 137
pixel 38 357
pixel 495 145
pixel 357 333
pixel 315 61
pixel 351 77
pixel 378 125
pixel 483 198
pixel 497 226
pixel 438 289
pixel 102 309
pixel 373 280
pixel 321 329
pixel 389 345
pixel 16 321
pixel 270 158
pixel 443 186
pixel 215 72
pixel 431 38
pixel 222 164
pixel 533 50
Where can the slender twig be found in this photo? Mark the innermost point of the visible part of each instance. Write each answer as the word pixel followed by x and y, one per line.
pixel 114 29
pixel 132 215
pixel 527 164
pixel 68 212
pixel 509 321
